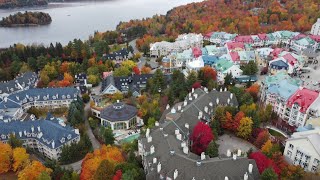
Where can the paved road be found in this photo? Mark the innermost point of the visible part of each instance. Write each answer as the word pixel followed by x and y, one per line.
pixel 95 144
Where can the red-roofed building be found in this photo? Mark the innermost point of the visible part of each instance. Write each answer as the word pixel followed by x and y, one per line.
pixel 244 39
pixel 235 57
pixel 298 106
pixel 275 53
pixel 235 46
pixel 207 36
pixel 106 74
pixel 196 52
pixel 299 36
pixel 290 59
pixel 315 38
pixel 263 37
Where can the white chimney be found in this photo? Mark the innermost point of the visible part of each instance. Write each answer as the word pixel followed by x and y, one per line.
pixel 228 153
pixel 17 98
pixel 205 89
pixel 20 133
pixel 173 110
pixel 183 144
pixel 192 90
pixel 225 89
pixel 25 132
pixel 118 101
pixel 203 156
pixel 250 168
pixel 234 157
pixel 228 101
pixel 152 149
pixel 176 131
pixel 32 128
pixel 156 123
pixel 185 103
pixel 220 89
pixel 186 125
pixel 198 163
pixel 52 144
pixel 226 178
pixel 149 139
pixel 190 98
pixel 231 96
pixel 147 132
pixel 245 177
pixel 200 113
pixel 154 160
pixel 39 129
pixel 211 104
pixel 168 106
pixel 77 131
pixel 179 107
pixel 185 150
pixel 179 137
pixel 195 96
pixel 217 100
pixel 175 174
pixel 159 167
pixel 206 109
pixel 239 152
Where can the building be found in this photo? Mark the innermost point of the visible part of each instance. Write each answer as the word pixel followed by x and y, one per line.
pixel 278 65
pixel 315 30
pixel 81 83
pixel 16 104
pixel 225 67
pixel 124 84
pixel 303 148
pixel 165 148
pixel 47 136
pixel 21 82
pixel 298 106
pixel 120 55
pixel 118 116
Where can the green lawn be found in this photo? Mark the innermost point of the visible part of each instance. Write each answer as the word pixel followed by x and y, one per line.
pixel 275 133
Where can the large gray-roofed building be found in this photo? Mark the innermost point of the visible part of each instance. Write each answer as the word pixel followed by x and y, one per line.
pixel 165 149
pixel 46 135
pixel 22 82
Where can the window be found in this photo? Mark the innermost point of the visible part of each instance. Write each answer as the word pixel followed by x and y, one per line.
pixel 291 146
pixel 314 169
pixel 289 153
pixel 316 161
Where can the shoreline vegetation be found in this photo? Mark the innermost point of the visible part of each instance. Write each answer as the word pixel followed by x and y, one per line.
pixel 26 19
pixel 10 4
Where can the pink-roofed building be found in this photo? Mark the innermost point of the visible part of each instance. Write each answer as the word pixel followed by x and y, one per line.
pixel 207 36
pixel 244 39
pixel 235 57
pixel 315 38
pixel 106 74
pixel 263 37
pixel 235 46
pixel 298 106
pixel 196 51
pixel 299 36
pixel 275 53
pixel 290 59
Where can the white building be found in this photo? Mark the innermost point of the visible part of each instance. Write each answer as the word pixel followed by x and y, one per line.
pixel 315 30
pixel 303 148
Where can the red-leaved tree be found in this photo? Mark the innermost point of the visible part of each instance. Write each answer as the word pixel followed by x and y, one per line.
pixel 263 162
pixel 201 137
pixel 196 85
pixel 118 175
pixel 262 138
pixel 136 70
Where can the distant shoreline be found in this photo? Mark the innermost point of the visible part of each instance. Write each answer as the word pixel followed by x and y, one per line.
pixel 22 25
pixel 26 19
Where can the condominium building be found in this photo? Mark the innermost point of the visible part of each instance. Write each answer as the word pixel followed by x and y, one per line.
pixel 315 30
pixel 16 104
pixel 47 136
pixel 303 148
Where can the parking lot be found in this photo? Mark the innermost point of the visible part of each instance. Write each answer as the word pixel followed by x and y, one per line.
pixel 311 79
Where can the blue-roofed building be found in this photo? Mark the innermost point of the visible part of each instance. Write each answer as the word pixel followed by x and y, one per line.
pixel 209 60
pixel 16 104
pixel 118 116
pixel 47 136
pixel 22 82
pixel 277 95
pixel 278 65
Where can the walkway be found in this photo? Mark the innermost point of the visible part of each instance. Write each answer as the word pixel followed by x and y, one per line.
pixel 231 142
pixel 276 129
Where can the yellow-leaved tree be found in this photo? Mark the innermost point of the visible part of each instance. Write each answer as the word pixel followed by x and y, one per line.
pixel 32 171
pixel 245 128
pixel 20 159
pixel 266 148
pixel 5 157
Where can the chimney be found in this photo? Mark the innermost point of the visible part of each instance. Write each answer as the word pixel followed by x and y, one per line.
pixel 203 156
pixel 185 103
pixel 152 149
pixel 234 157
pixel 250 168
pixel 200 113
pixel 53 144
pixel 149 139
pixel 32 128
pixel 229 153
pixel 186 125
pixel 173 110
pixel 231 96
pixel 17 98
pixel 220 89
pixel 25 132
pixel 217 100
pixel 228 101
pixel 245 177
pixel 147 132
pixel 210 104
pixel 198 163
pixel 154 160
pixel 168 106
pixel 118 101
pixel 195 96
pixel 226 178
pixel 225 89
pixel 39 129
pixel 183 144
pixel 156 123
pixel 239 152
pixel 192 90
pixel 159 167
pixel 185 150
pixel 206 109
pixel 175 174
pixel 190 98
pixel 171 152
pixel 179 108
pixel 179 137
pixel 20 133
pixel 176 132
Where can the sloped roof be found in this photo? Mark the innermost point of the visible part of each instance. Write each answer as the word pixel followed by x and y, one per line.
pixel 26 80
pixel 304 98
pixel 284 89
pixel 118 112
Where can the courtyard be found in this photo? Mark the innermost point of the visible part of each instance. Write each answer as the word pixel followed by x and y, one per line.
pixel 230 142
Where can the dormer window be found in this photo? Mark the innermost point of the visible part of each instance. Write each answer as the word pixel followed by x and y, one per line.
pixel 69 136
pixel 68 96
pixel 63 96
pixel 63 140
pixel 45 97
pixel 3 136
pixel 53 97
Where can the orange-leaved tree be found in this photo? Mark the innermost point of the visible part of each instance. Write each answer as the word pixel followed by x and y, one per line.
pixel 5 157
pixel 20 158
pixel 32 171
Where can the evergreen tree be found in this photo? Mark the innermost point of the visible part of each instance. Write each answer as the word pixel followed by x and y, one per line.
pixel 269 174
pixel 14 141
pixel 213 149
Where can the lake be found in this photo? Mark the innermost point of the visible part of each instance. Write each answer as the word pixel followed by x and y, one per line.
pixel 81 19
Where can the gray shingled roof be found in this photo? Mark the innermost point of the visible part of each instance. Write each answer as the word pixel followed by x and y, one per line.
pixel 164 141
pixel 26 81
pixel 50 130
pixel 118 112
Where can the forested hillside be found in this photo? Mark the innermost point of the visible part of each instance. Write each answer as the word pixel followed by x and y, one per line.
pixel 233 16
pixel 4 4
pixel 26 18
